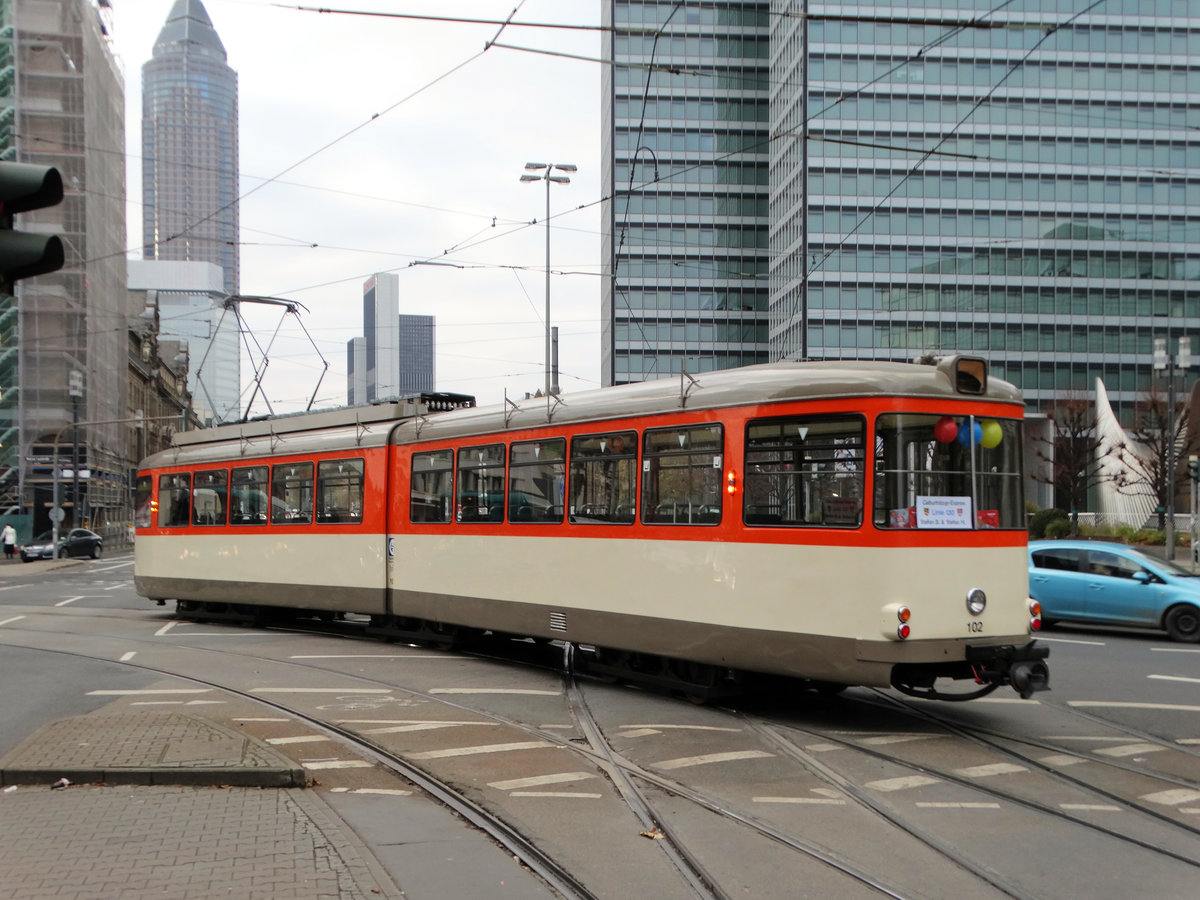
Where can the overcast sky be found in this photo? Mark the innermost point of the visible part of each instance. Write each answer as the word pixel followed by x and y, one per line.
pixel 375 166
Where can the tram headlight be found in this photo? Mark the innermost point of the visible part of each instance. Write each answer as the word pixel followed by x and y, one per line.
pixel 976 601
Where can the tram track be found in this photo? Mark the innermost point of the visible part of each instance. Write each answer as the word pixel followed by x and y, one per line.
pixel 993 738
pixel 623 773
pixel 631 779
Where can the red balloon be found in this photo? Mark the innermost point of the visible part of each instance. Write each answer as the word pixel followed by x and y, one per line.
pixel 945 430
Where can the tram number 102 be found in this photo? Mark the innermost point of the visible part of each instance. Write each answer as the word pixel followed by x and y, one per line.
pixel 975 626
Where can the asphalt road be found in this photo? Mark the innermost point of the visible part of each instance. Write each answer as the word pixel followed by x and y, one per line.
pixel 1090 789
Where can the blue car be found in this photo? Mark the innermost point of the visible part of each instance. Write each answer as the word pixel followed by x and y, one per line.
pixel 1113 584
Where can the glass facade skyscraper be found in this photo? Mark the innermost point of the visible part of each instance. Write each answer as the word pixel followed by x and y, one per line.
pixel 685 126
pixel 1017 180
pixel 190 146
pixel 1028 192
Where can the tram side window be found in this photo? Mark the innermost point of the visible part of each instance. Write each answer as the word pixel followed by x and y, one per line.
pixel 248 497
pixel 143 501
pixel 805 471
pixel 604 478
pixel 174 500
pixel 292 493
pixel 209 498
pixel 340 490
pixel 536 481
pixel 479 496
pixel 429 492
pixel 681 475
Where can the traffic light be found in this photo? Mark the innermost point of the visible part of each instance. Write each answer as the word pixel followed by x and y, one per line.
pixel 25 254
pixel 1194 467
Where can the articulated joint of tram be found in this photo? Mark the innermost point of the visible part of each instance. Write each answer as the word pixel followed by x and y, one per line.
pixel 1023 668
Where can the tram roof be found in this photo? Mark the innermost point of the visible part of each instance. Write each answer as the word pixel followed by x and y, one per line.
pixel 455 415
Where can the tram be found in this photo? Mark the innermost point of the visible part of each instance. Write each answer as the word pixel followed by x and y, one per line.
pixel 839 523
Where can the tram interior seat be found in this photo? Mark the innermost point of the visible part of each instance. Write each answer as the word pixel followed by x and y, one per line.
pixel 762 515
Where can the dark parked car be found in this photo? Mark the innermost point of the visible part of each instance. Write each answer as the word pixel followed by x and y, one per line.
pixel 75 542
pixel 1092 581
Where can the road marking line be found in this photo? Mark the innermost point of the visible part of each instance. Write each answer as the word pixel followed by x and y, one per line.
pixel 10 621
pixel 1174 678
pixel 262 719
pixel 883 739
pixel 903 783
pixel 336 764
pixel 299 739
pixel 685 727
pixel 420 726
pixel 1175 649
pixel 1089 807
pixel 301 690
pixel 128 656
pixel 686 761
pixel 375 656
pixel 1120 705
pixel 116 587
pixel 826 801
pixel 497 690
pixel 989 770
pixel 540 780
pixel 486 748
pixel 1062 759
pixel 69 600
pixel 1173 797
pixel 388 792
pixel 1188 741
pixel 1130 749
pixel 822 748
pixel 640 732
pixel 410 722
pixel 1049 640
pixel 162 631
pixel 567 795
pixel 964 805
pixel 145 693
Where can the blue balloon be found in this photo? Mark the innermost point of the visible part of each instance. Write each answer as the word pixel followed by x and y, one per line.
pixel 968 435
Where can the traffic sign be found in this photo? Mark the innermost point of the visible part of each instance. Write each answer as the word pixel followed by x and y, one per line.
pixel 57 514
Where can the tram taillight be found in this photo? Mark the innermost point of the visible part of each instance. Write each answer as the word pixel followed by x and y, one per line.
pixel 731 482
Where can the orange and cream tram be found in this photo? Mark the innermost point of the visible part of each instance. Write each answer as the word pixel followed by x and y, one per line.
pixel 843 523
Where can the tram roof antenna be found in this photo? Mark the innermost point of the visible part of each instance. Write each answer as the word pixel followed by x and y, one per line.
pixel 291 307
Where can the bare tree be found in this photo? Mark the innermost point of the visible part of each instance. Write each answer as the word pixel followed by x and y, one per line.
pixel 1073 455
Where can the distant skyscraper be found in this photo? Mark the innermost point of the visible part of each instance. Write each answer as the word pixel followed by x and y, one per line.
pixel 381 325
pixel 417 346
pixel 356 372
pixel 190 145
pixel 395 358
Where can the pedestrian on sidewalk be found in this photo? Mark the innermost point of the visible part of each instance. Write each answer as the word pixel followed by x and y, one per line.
pixel 9 538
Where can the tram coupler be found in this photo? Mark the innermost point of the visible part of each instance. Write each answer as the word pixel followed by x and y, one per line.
pixel 1024 667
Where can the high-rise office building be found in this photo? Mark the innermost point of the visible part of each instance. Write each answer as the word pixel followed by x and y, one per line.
pixel 1028 193
pixel 190 146
pixel 686 144
pixel 417 349
pixel 63 344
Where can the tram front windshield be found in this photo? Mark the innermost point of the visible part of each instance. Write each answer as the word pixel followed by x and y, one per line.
pixel 947 472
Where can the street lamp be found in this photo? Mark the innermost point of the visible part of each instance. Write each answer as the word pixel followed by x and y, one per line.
pixel 547 174
pixel 75 390
pixel 1163 360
